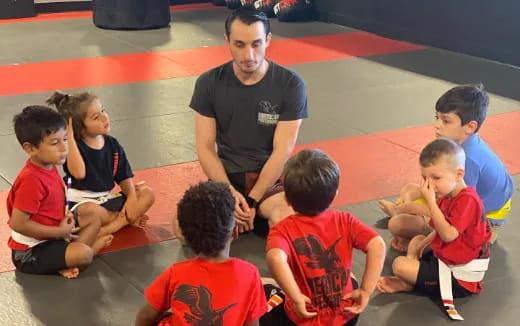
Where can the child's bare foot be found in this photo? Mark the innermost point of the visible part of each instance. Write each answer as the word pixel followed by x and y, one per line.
pixel 387 207
pixel 69 272
pixel 392 284
pixel 400 244
pixel 102 242
pixel 140 222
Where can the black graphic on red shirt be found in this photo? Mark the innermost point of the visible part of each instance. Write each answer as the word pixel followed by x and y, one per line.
pixel 320 257
pixel 198 298
pixel 327 290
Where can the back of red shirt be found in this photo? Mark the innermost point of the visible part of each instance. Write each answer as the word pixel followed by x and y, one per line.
pixel 319 253
pixel 200 292
pixel 39 192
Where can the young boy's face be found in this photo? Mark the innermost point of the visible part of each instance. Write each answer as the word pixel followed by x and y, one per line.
pixel 52 150
pixel 449 125
pixel 443 176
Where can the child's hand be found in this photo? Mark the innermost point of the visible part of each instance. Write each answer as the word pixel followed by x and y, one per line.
pixel 427 191
pixel 302 307
pixel 359 299
pixel 67 227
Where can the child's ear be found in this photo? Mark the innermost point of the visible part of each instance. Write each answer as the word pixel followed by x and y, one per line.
pixel 470 127
pixel 460 174
pixel 29 148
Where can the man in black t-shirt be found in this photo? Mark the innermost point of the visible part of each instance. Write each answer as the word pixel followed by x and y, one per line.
pixel 252 109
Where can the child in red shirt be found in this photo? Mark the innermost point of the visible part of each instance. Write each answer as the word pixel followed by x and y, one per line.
pixel 460 238
pixel 309 253
pixel 212 289
pixel 41 232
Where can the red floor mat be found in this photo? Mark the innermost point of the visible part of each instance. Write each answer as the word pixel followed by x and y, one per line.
pixel 372 166
pixel 98 71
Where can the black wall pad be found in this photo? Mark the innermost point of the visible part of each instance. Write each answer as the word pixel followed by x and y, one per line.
pixel 488 29
pixel 16 8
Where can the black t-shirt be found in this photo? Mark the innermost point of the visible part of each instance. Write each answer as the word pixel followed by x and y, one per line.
pixel 246 116
pixel 102 166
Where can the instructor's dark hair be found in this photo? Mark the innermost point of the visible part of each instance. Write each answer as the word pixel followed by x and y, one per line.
pixel 248 17
pixel 311 180
pixel 206 217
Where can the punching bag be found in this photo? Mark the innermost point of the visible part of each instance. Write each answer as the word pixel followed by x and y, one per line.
pixel 266 6
pixel 233 4
pixel 131 14
pixel 219 2
pixel 248 3
pixel 294 10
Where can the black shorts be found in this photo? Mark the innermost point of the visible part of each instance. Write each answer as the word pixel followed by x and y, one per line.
pixel 278 317
pixel 428 279
pixel 45 258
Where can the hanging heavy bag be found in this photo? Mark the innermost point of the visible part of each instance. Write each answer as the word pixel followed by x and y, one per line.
pixel 219 2
pixel 266 6
pixel 233 4
pixel 248 3
pixel 294 10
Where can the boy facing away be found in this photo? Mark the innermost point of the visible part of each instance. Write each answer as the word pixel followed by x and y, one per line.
pixel 309 253
pixel 212 289
pixel 43 234
pixel 456 265
pixel 460 112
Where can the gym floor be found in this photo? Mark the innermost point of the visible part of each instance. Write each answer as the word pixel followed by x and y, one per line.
pixel 371 106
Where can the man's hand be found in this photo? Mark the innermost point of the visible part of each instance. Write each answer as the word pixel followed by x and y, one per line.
pixel 301 307
pixel 67 227
pixel 359 299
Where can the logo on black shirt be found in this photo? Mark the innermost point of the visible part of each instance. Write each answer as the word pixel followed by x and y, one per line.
pixel 198 298
pixel 268 114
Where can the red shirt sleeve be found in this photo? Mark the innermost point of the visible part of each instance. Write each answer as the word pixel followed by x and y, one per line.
pixel 277 239
pixel 462 213
pixel 29 195
pixel 360 233
pixel 259 302
pixel 158 293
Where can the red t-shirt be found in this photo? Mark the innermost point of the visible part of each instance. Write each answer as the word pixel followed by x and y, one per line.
pixel 199 291
pixel 465 212
pixel 39 192
pixel 319 253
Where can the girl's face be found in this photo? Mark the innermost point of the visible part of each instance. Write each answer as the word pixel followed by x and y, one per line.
pixel 96 120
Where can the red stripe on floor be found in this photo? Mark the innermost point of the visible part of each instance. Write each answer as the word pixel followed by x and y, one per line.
pixel 88 14
pixel 139 67
pixel 372 166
